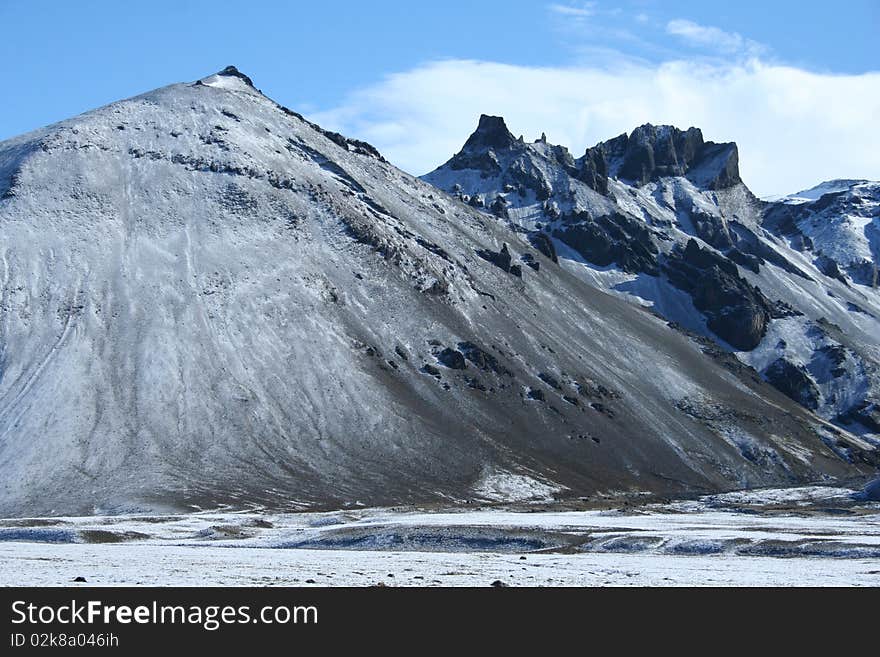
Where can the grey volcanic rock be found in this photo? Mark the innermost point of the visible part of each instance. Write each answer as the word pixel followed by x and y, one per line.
pixel 737 312
pixel 794 381
pixel 759 278
pixel 491 133
pixel 871 492
pixel 611 239
pixel 452 359
pixel 592 169
pixel 202 309
pixel 653 152
pixel 544 244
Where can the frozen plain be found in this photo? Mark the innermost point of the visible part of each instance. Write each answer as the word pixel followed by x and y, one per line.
pixel 808 536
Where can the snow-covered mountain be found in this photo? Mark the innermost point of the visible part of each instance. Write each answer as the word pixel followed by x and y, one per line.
pixel 206 299
pixel 661 217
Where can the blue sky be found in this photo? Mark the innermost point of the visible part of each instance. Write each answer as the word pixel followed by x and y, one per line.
pixel 332 59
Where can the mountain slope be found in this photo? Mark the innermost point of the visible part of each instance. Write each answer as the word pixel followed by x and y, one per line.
pixel 661 217
pixel 206 300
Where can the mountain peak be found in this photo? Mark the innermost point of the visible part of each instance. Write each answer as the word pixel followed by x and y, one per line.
pixel 229 78
pixel 491 132
pixel 231 71
pixel 654 151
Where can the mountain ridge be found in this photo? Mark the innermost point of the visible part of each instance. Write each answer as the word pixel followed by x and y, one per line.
pixel 660 211
pixel 209 301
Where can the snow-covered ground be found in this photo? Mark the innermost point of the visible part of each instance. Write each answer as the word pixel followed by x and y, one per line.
pixel 801 536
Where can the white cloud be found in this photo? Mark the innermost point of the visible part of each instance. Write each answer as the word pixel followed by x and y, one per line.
pixel 713 38
pixel 583 10
pixel 794 127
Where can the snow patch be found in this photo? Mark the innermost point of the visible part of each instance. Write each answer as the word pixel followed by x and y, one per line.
pixel 503 486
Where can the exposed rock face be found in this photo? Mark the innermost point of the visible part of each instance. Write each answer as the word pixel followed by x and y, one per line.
pixel 452 359
pixel 491 133
pixel 611 239
pixel 592 169
pixel 737 312
pixel 866 414
pixel 231 71
pixel 794 381
pixel 500 259
pixel 544 244
pixel 651 152
pixel 626 211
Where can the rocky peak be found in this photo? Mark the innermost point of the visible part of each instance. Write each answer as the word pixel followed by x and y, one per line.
pixel 651 152
pixel 231 71
pixel 491 132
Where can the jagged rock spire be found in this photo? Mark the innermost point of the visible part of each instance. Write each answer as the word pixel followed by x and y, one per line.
pixel 491 132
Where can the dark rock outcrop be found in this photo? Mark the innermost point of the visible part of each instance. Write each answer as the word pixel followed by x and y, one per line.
pixel 231 71
pixel 500 259
pixel 491 132
pixel 735 311
pixel 793 381
pixel 536 393
pixel 529 261
pixel 592 170
pixel 544 244
pixel 651 152
pixel 610 239
pixel 482 359
pixel 866 414
pixel 452 359
pixel 499 207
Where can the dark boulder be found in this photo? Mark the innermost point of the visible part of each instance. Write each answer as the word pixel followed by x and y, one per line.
pixel 529 261
pixel 499 207
pixel 793 381
pixel 711 229
pixel 482 359
pixel 536 393
pixel 476 384
pixel 704 258
pixel 452 359
pixel 430 370
pixel 501 259
pixel 526 176
pixel 745 260
pixel 544 244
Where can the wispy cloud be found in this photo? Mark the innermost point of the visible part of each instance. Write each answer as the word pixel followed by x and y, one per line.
pixel 713 38
pixel 800 128
pixel 582 10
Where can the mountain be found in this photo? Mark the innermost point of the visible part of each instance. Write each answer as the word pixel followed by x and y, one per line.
pixel 208 300
pixel 661 218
